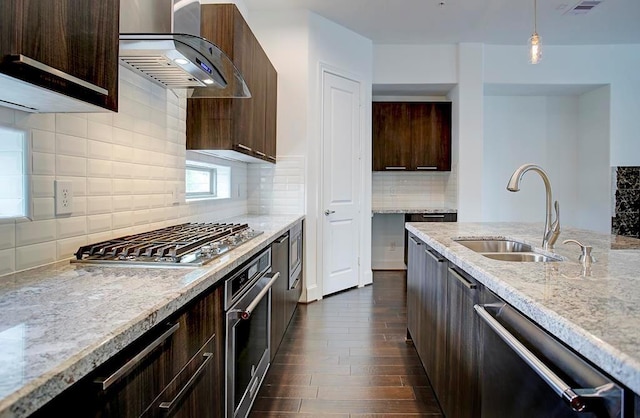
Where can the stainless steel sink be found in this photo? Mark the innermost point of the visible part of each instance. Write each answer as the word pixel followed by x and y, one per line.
pixel 495 246
pixel 535 257
pixel 506 250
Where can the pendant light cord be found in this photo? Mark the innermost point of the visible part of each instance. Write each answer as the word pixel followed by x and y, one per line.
pixel 535 16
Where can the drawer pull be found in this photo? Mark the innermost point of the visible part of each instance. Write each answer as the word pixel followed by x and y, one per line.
pixel 124 370
pixel 415 241
pixel 435 256
pixel 433 216
pixel 262 154
pixel 21 59
pixel 462 280
pixel 167 406
pixel 395 168
pixel 272 158
pixel 428 167
pixel 244 147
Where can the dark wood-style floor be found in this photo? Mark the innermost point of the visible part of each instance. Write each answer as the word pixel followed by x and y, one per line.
pixel 346 356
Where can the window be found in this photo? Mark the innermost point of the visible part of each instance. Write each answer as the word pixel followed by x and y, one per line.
pixel 13 174
pixel 206 181
pixel 200 182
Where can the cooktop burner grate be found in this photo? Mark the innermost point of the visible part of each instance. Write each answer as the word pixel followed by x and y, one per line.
pixel 190 244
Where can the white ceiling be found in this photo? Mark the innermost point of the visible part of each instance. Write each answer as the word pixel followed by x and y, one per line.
pixel 507 22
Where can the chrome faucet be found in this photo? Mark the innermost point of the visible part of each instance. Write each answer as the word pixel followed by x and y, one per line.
pixel 551 228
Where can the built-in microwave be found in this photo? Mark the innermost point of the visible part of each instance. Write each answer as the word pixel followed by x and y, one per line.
pixel 295 254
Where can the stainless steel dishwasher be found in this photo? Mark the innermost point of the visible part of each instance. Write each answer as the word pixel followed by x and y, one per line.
pixel 525 372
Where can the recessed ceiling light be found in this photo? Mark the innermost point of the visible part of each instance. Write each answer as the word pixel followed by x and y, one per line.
pixel 181 61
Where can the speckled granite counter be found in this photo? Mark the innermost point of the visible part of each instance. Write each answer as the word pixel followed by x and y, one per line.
pixel 382 210
pixel 60 322
pixel 597 315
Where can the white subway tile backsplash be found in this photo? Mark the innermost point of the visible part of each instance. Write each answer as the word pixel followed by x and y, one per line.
pixel 66 248
pixel 71 166
pixel 79 206
pixel 79 185
pixel 71 145
pixel 42 186
pixel 99 131
pixel 98 186
pixel 121 220
pixel 99 168
pixel 99 204
pixel 71 124
pixel 100 236
pixel 105 118
pixel 99 150
pixel 7 235
pixel 35 255
pixel 123 187
pixel 122 153
pixel 140 202
pixel 71 227
pixel 122 136
pixel 7 261
pixel 123 170
pixel 43 208
pixel 33 232
pixel 121 203
pixel 43 163
pixel 42 121
pixel 43 141
pixel 98 223
pixel 141 217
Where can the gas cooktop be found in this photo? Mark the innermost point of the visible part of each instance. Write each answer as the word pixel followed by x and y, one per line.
pixel 190 244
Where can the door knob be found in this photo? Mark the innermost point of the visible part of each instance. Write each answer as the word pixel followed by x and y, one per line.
pixel 329 212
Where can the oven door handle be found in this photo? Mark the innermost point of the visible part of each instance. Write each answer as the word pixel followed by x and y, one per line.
pixel 578 399
pixel 246 312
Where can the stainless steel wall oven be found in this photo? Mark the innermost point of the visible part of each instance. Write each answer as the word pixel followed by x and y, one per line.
pixel 248 332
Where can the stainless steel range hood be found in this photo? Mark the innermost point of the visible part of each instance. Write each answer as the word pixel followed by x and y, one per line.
pixel 161 39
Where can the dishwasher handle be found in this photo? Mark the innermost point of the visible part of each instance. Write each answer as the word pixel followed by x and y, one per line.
pixel 578 399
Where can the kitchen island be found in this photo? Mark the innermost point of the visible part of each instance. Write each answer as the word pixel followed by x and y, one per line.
pixel 597 314
pixel 61 321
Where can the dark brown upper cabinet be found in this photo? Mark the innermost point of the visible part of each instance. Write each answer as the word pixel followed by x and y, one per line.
pixel 411 136
pixel 241 128
pixel 59 56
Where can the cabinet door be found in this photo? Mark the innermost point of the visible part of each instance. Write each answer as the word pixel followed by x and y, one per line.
pixel 76 37
pixel 415 274
pixel 431 136
pixel 271 113
pixel 391 136
pixel 461 397
pixel 434 320
pixel 279 263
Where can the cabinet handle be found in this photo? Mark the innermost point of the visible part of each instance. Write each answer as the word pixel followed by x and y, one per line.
pixel 462 280
pixel 244 147
pixel 426 167
pixel 272 158
pixel 246 312
pixel 435 256
pixel 21 59
pixel 124 370
pixel 282 239
pixel 561 388
pixel 415 241
pixel 262 154
pixel 167 406
pixel 433 216
pixel 395 168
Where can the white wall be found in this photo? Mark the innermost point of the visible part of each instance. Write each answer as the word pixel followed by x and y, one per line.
pixel 298 43
pixel 124 167
pixel 594 173
pixel 387 247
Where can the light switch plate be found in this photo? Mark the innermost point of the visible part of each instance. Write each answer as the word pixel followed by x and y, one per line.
pixel 64 197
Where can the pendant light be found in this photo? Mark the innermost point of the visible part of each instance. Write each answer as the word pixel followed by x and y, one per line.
pixel 535 48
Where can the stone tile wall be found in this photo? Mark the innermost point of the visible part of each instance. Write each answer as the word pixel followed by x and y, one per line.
pixel 626 220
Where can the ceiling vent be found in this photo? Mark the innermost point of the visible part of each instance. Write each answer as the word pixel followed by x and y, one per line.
pixel 583 7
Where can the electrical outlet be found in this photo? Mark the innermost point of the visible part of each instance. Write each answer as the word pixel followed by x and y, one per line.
pixel 64 197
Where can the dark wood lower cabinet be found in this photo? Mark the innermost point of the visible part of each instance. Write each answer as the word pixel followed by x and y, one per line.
pixel 443 325
pixel 176 369
pixel 279 263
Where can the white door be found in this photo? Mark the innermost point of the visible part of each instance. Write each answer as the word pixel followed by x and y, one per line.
pixel 340 182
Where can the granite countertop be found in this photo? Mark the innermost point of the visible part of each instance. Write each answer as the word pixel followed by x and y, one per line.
pixel 61 321
pixel 382 210
pixel 598 314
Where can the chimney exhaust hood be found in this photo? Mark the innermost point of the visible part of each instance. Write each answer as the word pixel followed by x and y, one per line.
pixel 161 40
